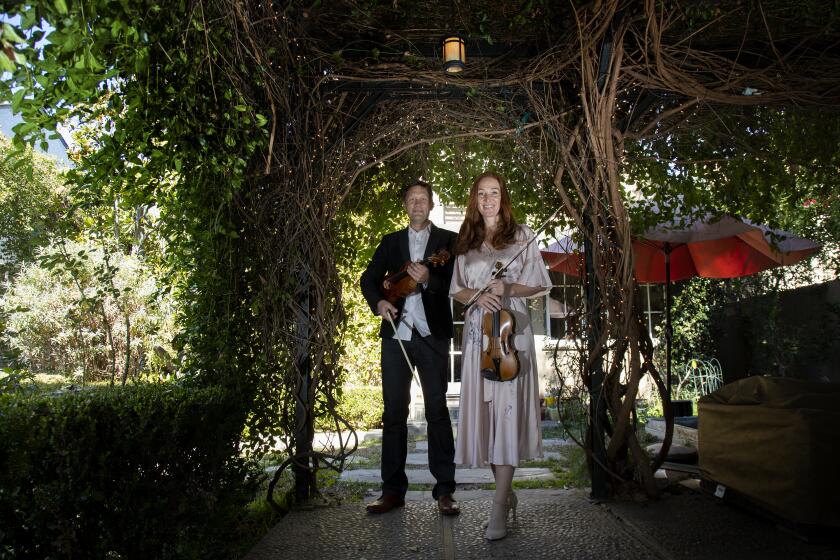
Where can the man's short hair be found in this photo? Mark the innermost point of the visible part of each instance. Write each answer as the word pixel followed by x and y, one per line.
pixel 417 183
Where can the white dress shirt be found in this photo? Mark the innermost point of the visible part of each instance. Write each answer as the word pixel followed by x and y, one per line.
pixel 414 315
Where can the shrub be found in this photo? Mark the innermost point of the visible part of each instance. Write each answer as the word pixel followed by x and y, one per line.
pixel 16 381
pixel 361 406
pixel 151 471
pixel 361 343
pixel 53 329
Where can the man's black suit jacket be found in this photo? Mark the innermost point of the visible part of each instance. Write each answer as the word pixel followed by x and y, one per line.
pixel 390 257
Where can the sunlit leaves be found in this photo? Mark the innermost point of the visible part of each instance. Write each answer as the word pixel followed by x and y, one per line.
pixel 9 55
pixel 139 75
pixel 32 202
pixel 10 34
pixel 750 164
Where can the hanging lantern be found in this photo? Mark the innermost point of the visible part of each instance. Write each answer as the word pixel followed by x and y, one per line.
pixel 454 54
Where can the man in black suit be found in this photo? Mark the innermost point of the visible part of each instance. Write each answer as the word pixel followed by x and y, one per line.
pixel 424 325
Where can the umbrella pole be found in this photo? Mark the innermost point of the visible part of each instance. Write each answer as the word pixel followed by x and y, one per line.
pixel 668 332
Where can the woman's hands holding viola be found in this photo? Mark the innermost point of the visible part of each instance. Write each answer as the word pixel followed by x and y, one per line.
pixel 497 287
pixel 491 300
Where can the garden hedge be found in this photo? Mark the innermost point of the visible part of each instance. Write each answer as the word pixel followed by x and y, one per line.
pixel 151 471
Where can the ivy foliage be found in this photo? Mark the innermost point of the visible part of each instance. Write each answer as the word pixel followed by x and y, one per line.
pixel 179 137
pixel 696 307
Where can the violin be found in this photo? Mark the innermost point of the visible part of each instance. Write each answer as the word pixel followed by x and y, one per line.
pixel 401 284
pixel 499 359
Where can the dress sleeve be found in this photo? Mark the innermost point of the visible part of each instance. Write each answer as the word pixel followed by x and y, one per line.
pixel 458 282
pixel 534 273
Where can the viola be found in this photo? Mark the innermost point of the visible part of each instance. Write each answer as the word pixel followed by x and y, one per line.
pixel 499 359
pixel 399 285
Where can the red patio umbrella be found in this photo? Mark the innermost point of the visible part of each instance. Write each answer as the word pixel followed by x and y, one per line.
pixel 712 247
pixel 564 255
pixel 726 247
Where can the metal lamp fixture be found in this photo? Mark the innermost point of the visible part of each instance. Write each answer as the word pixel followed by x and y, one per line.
pixel 454 54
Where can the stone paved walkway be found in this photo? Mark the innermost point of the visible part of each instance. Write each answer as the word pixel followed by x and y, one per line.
pixel 551 523
pixel 557 524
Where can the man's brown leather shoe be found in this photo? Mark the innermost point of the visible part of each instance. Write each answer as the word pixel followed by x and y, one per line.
pixel 447 505
pixel 385 503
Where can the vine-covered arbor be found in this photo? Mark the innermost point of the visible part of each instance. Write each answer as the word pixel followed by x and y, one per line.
pixel 250 122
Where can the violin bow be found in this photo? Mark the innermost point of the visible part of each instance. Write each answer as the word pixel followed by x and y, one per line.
pixel 501 271
pixel 399 340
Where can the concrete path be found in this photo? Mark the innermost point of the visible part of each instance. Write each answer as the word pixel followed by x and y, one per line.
pixel 462 476
pixel 698 526
pixel 550 524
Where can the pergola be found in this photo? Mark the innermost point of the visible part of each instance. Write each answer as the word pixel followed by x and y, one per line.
pixel 309 97
pixel 577 81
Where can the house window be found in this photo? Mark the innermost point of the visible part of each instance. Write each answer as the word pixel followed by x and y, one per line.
pixel 653 302
pixel 556 315
pixel 561 305
pixel 453 214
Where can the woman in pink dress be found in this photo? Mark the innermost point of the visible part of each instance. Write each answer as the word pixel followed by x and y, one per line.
pixel 498 421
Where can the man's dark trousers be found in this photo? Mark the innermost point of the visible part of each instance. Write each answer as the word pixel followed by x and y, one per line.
pixel 431 357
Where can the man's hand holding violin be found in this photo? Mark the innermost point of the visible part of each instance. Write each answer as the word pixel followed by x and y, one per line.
pixel 417 272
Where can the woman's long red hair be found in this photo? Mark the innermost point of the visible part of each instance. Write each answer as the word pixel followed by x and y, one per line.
pixel 472 231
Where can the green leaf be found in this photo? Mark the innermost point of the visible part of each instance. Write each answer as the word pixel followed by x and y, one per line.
pixel 30 17
pixel 92 62
pixel 10 34
pixel 61 6
pixel 17 99
pixel 5 64
pixel 116 26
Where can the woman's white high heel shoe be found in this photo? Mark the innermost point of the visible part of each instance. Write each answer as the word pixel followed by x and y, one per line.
pixel 512 503
pixel 497 526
